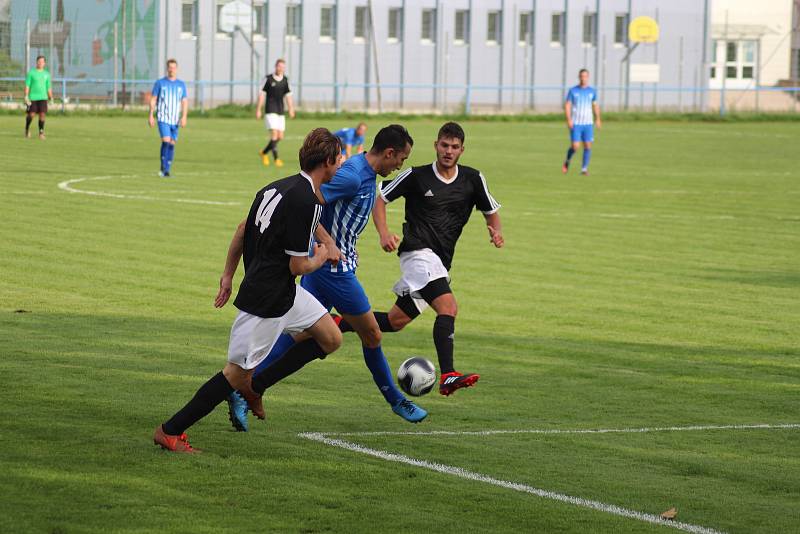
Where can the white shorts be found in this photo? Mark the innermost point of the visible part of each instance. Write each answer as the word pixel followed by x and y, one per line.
pixel 419 268
pixel 275 121
pixel 252 337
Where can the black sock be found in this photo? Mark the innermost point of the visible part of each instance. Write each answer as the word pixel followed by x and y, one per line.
pixel 268 147
pixel 292 361
pixel 41 126
pixel 383 321
pixel 204 401
pixel 28 121
pixel 381 317
pixel 444 328
pixel 275 148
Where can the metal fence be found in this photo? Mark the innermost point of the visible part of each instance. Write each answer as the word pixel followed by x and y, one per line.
pixel 74 93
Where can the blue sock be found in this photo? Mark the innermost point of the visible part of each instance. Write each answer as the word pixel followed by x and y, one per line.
pixel 170 154
pixel 587 155
pixel 163 155
pixel 382 375
pixel 283 344
pixel 570 153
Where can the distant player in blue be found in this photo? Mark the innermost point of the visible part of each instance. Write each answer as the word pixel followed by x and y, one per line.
pixel 170 100
pixel 582 112
pixel 352 137
pixel 348 201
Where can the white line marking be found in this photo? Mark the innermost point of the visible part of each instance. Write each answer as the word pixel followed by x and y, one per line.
pixel 469 475
pixel 642 430
pixel 66 185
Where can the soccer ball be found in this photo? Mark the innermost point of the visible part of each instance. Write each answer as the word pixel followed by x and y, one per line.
pixel 416 376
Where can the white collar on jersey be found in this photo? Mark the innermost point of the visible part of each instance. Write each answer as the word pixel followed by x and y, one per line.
pixel 307 177
pixel 276 77
pixel 442 178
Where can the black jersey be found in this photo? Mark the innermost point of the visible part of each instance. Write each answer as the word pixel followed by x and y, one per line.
pixel 276 90
pixel 281 223
pixel 437 209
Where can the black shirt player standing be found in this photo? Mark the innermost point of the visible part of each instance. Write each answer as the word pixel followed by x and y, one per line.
pixel 277 238
pixel 439 200
pixel 274 91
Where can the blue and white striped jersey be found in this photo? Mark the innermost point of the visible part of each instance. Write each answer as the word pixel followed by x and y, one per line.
pixel 169 94
pixel 582 99
pixel 349 198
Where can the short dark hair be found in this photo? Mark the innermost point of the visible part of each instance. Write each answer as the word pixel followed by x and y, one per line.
pixel 280 60
pixel 40 57
pixel 172 60
pixel 393 136
pixel 582 71
pixel 451 130
pixel 320 147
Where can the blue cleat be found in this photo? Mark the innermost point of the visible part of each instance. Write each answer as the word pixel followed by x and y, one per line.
pixel 237 411
pixel 409 411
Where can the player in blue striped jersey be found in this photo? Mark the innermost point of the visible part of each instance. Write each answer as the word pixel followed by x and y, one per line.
pixel 582 112
pixel 169 101
pixel 349 198
pixel 352 138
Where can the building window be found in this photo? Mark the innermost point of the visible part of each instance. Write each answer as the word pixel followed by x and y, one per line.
pixel 739 60
pixel 590 29
pixel 428 25
pixel 462 26
pixel 294 21
pixel 361 23
pixel 557 29
pixel 327 23
pixel 525 28
pixel 493 27
pixel 259 20
pixel 395 25
pixel 220 31
pixel 621 30
pixel 189 18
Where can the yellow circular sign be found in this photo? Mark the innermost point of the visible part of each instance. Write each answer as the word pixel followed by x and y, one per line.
pixel 643 30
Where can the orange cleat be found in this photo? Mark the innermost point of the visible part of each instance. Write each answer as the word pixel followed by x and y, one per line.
pixel 173 443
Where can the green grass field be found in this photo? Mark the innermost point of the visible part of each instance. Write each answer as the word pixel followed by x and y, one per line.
pixel 661 291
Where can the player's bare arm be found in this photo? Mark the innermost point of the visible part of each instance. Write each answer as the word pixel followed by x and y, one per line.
pixel 153 100
pixel 260 105
pixel 596 109
pixel 300 265
pixel 290 105
pixel 322 236
pixel 184 111
pixel 568 113
pixel 495 228
pixel 389 241
pixel 231 264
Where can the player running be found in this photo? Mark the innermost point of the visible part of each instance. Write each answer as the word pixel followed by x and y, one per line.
pixel 170 98
pixel 582 111
pixel 274 90
pixel 439 199
pixel 352 137
pixel 277 236
pixel 349 198
pixel 37 92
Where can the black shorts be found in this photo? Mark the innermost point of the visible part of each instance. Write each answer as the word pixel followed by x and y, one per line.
pixel 38 106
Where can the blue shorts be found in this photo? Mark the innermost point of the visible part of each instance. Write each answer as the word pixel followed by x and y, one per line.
pixel 342 291
pixel 582 132
pixel 168 130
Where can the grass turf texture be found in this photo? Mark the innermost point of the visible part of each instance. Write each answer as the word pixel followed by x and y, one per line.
pixel 661 290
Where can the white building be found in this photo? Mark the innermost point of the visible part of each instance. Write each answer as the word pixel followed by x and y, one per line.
pixel 751 46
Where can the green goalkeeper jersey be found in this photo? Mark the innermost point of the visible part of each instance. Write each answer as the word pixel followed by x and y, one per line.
pixel 38 81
